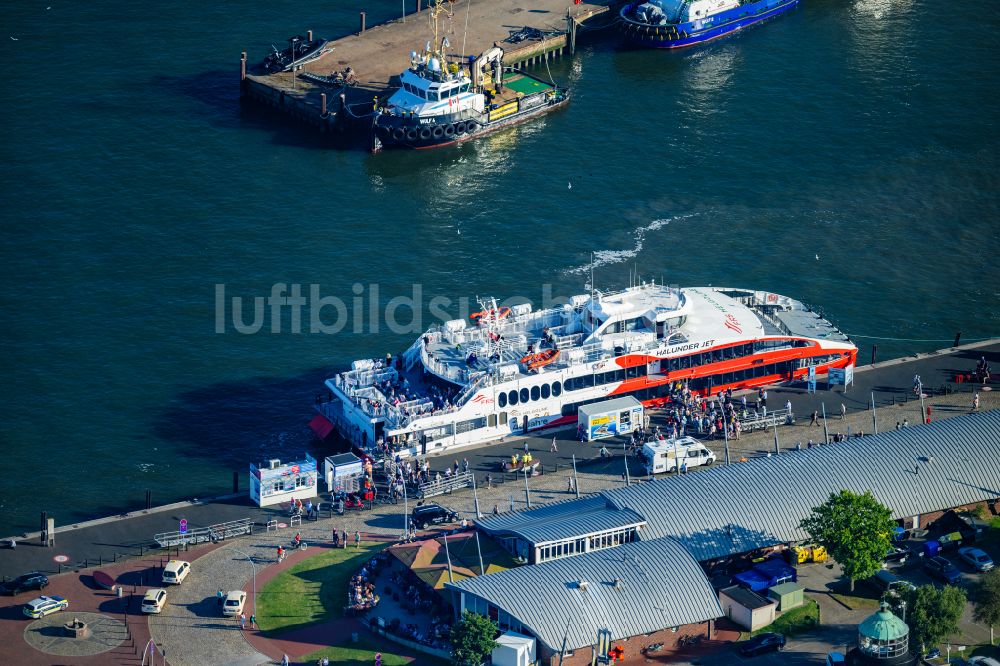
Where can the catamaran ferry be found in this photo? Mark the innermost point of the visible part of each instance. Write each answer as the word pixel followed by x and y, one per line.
pixel 510 370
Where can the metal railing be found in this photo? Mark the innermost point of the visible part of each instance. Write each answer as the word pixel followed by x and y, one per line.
pixel 446 484
pixel 205 534
pixel 775 418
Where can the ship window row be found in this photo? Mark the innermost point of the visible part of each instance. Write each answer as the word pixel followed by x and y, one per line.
pixel 435 95
pixel 601 378
pixel 525 395
pixel 730 353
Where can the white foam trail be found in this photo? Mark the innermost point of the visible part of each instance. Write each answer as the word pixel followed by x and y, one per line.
pixel 609 257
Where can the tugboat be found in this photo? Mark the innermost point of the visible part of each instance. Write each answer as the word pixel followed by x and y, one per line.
pixel 440 103
pixel 300 51
pixel 673 24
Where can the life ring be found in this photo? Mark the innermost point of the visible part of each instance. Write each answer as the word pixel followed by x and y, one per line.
pixel 411 134
pixel 449 130
pixel 460 128
pixel 438 132
pixel 398 134
pixel 425 132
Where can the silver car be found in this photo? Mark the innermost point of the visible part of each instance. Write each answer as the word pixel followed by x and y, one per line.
pixel 976 558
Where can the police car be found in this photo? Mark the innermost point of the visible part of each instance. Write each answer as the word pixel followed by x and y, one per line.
pixel 43 606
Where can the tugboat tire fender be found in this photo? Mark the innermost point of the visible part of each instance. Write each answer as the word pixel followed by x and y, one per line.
pixel 411 134
pixel 425 132
pixel 449 130
pixel 460 127
pixel 398 134
pixel 438 132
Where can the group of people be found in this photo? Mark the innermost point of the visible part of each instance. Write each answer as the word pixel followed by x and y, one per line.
pixel 361 595
pixel 982 370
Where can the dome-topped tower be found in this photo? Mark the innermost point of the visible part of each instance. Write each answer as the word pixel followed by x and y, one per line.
pixel 883 639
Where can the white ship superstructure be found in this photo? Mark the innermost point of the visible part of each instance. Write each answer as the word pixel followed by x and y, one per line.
pixel 509 370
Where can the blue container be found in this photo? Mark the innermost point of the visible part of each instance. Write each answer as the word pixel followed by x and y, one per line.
pixel 931 548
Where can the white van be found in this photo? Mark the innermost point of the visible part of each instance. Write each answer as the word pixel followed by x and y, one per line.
pixel 664 455
pixel 175 572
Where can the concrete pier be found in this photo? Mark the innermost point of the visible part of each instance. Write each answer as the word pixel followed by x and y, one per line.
pixel 379 53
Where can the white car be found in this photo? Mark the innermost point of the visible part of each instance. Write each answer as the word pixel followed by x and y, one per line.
pixel 175 572
pixel 154 601
pixel 42 606
pixel 233 605
pixel 976 558
pixel 984 661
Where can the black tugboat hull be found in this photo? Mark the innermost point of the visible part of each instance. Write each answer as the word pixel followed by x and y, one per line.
pixel 391 132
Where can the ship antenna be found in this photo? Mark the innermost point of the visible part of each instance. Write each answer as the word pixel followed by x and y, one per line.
pixel 592 275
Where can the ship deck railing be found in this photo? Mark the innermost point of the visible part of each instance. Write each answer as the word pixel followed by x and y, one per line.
pixel 212 533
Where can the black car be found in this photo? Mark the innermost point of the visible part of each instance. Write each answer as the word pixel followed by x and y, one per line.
pixel 943 570
pixel 432 514
pixel 34 580
pixel 761 643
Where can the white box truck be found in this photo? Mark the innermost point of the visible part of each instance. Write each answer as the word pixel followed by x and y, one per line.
pixel 664 455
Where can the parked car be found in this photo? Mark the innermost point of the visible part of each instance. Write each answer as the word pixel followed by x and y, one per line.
pixel 976 558
pixel 233 605
pixel 432 514
pixel 43 606
pixel 154 601
pixel 175 572
pixel 886 581
pixel 943 570
pixel 33 580
pixel 984 661
pixel 896 556
pixel 761 643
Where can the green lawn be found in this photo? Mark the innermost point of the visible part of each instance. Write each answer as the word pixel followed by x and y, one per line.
pixel 362 653
pixel 795 621
pixel 314 590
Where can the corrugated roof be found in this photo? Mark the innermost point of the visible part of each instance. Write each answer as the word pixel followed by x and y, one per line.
pixel 744 506
pixel 661 586
pixel 737 508
pixel 562 520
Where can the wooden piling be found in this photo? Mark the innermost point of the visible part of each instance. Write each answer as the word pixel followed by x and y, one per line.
pixel 418 6
pixel 309 35
pixel 243 66
pixel 362 24
pixel 322 105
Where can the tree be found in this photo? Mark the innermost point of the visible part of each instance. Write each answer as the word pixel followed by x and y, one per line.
pixel 987 598
pixel 855 529
pixel 472 638
pixel 933 614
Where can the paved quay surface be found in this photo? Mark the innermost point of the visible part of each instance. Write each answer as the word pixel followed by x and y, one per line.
pixel 191 631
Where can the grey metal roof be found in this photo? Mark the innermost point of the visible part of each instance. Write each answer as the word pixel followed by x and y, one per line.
pixel 562 520
pixel 661 586
pixel 737 508
pixel 734 509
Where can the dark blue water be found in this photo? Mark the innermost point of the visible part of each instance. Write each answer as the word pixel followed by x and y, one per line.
pixel 864 133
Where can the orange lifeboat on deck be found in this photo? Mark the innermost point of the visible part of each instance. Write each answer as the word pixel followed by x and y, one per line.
pixel 540 359
pixel 485 315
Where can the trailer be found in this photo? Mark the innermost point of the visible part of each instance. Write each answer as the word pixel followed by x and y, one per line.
pixel 600 420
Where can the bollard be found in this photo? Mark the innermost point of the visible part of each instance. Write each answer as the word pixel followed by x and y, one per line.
pixel 958 336
pixel 309 35
pixel 418 6
pixel 362 23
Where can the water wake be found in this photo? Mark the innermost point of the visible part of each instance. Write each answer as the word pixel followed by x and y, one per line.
pixel 609 257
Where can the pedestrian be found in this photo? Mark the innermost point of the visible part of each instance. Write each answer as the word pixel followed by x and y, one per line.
pixel 788 406
pixel 243 621
pixel 221 596
pixel 333 537
pixel 253 621
pixel 496 509
pixel 843 411
pixel 357 539
pixel 975 402
pixel 906 423
pixel 569 484
pixel 553 448
pixel 343 539
pixel 489 481
pixel 684 467
pixel 284 660
pixel 525 446
pixel 815 418
pixel 898 426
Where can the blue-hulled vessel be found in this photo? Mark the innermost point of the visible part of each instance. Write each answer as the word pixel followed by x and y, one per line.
pixel 672 24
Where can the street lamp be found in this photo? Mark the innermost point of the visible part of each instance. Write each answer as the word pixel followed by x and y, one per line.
pixel 254 568
pixel 406 513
